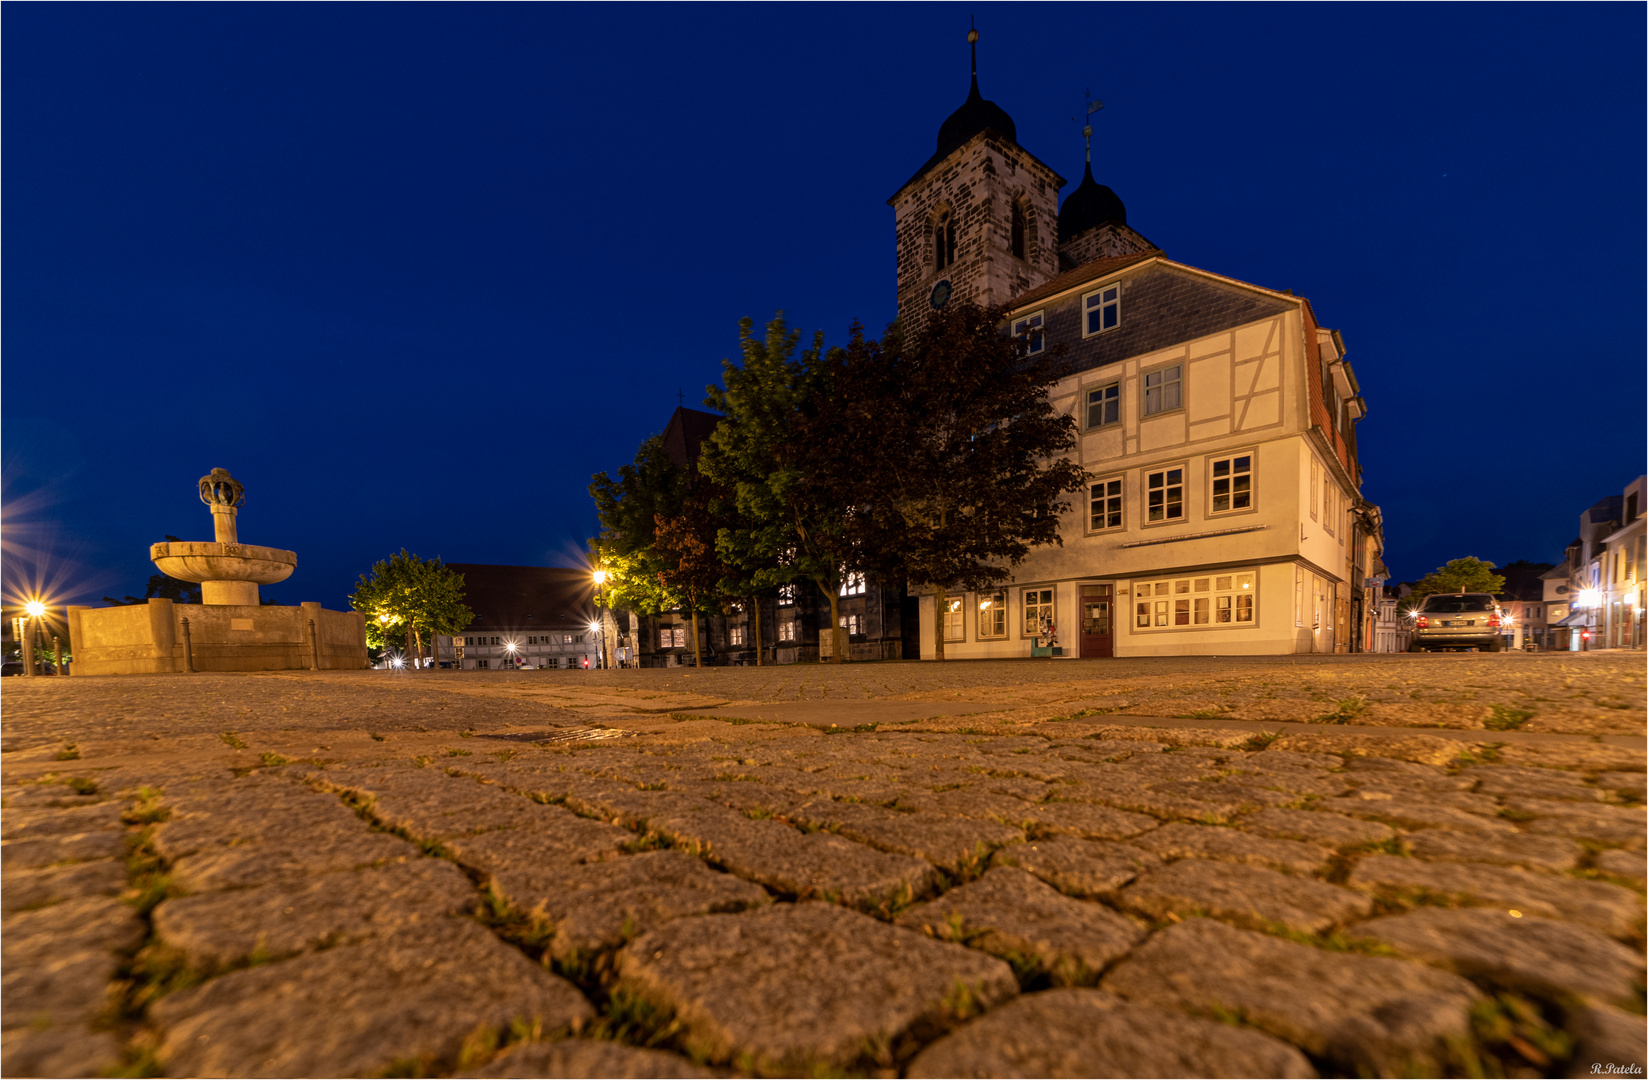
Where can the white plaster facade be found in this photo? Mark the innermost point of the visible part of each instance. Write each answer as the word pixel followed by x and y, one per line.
pixel 1279 562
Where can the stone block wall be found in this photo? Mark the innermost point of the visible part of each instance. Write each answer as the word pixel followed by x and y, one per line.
pixel 978 184
pixel 149 638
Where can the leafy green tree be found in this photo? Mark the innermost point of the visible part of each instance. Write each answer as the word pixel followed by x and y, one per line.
pixel 787 449
pixel 967 472
pixel 1469 574
pixel 629 509
pixel 407 598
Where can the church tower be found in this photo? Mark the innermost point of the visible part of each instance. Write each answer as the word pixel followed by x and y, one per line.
pixel 980 220
pixel 1093 221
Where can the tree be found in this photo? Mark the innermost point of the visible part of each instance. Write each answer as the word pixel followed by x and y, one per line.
pixel 407 597
pixel 967 471
pixel 685 547
pixel 165 587
pixel 787 449
pixel 1469 574
pixel 629 509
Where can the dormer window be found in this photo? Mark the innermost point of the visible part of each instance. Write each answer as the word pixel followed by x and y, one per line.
pixel 1102 310
pixel 1018 245
pixel 944 240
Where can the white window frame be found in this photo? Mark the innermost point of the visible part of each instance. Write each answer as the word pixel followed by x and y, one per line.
pixel 786 595
pixel 1230 480
pixel 787 628
pixel 1315 486
pixel 1177 383
pixel 954 618
pixel 1145 489
pixel 735 635
pixel 1033 328
pixel 852 584
pixel 1213 600
pixel 1103 304
pixel 992 606
pixel 1114 504
pixel 1111 403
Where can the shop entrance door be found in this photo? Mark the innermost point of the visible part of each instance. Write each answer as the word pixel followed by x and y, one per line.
pixel 1098 624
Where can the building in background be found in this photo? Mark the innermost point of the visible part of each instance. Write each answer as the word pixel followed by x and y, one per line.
pixel 1595 597
pixel 1217 416
pixel 1393 629
pixel 525 617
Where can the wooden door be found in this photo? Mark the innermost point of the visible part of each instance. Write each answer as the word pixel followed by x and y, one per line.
pixel 1098 622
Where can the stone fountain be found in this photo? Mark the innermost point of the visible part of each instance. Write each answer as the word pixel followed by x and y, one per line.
pixel 228 571
pixel 230 629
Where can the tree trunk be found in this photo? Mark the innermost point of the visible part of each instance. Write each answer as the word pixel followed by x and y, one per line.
pixel 417 646
pixel 406 653
pixel 837 638
pixel 697 650
pixel 755 617
pixel 940 599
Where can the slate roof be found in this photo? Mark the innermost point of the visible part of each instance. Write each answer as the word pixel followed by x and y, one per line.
pixel 685 434
pixel 525 599
pixel 1088 271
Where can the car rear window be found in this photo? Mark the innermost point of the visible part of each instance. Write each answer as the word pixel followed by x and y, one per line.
pixel 1448 604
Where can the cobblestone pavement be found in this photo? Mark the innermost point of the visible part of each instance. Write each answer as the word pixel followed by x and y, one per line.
pixel 1431 865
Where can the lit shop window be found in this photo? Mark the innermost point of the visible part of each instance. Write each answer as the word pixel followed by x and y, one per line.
pixel 1215 601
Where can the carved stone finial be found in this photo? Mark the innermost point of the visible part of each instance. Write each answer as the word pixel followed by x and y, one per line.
pixel 218 488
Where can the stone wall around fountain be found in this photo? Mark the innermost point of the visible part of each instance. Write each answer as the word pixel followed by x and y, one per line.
pixel 146 639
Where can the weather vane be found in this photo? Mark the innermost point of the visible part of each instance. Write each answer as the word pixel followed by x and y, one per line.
pixel 1087 129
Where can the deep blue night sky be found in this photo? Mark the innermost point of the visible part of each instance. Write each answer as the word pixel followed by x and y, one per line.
pixel 414 272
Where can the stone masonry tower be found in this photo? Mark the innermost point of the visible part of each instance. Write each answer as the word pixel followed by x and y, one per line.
pixel 979 221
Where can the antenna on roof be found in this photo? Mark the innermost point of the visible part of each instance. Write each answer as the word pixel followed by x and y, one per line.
pixel 680 398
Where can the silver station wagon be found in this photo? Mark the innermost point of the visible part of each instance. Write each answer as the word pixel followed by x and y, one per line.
pixel 1457 621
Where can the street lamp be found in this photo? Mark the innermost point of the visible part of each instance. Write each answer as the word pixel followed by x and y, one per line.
pixel 600 577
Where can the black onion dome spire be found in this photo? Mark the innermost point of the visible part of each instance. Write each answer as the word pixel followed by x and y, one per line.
pixel 1090 204
pixel 974 116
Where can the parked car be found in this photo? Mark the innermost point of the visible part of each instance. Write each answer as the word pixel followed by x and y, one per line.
pixel 15 667
pixel 1457 621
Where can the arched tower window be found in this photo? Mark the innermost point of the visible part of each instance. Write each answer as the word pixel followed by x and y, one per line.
pixel 1018 242
pixel 944 240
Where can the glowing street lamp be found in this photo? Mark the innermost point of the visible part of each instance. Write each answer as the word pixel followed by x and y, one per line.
pixel 600 577
pixel 35 609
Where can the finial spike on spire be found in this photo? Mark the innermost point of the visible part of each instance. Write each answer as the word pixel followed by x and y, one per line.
pixel 972 41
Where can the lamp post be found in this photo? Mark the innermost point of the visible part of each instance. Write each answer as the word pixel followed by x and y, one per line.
pixel 598 626
pixel 35 611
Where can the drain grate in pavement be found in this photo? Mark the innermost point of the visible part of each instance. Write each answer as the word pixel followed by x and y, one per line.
pixel 563 735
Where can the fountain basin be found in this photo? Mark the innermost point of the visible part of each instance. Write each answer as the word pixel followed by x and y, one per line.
pixel 200 561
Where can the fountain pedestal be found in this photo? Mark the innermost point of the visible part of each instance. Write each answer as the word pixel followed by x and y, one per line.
pixel 230 629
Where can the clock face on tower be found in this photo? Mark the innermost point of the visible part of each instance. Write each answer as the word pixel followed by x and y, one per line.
pixel 940 295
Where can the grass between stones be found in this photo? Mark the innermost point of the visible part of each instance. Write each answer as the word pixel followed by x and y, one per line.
pixel 151 970
pixel 1509 1034
pixel 1505 718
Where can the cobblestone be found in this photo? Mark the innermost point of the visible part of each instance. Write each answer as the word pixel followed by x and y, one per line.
pixel 1010 914
pixel 362 873
pixel 1075 1033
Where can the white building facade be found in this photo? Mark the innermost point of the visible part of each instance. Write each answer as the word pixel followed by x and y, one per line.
pixel 1217 419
